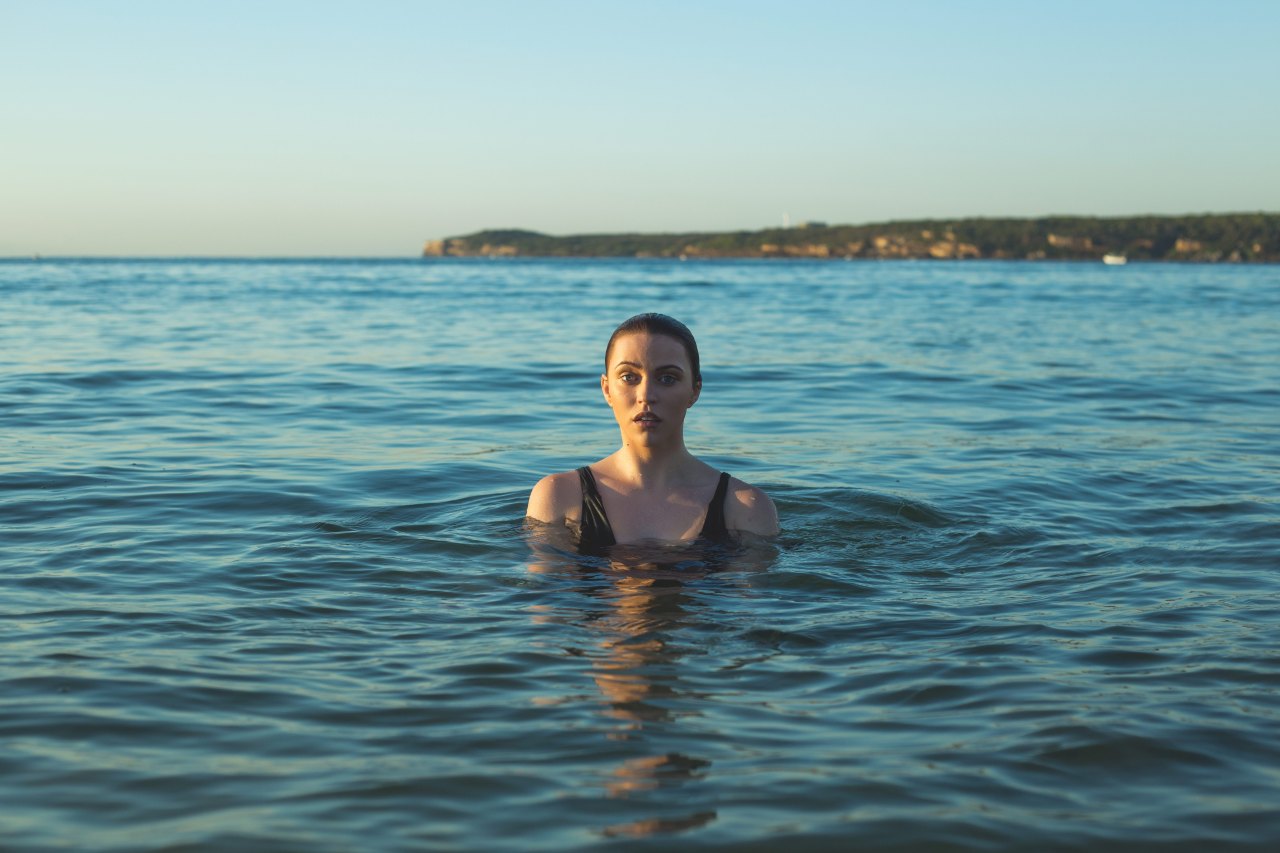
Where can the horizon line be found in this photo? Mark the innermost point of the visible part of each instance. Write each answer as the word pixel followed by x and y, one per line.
pixel 38 256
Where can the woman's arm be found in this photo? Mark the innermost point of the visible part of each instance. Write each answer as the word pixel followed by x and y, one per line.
pixel 751 510
pixel 546 523
pixel 553 497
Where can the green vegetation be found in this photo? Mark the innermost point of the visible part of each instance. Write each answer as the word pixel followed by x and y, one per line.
pixel 1234 237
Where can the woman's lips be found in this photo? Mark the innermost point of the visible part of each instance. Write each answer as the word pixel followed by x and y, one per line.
pixel 647 420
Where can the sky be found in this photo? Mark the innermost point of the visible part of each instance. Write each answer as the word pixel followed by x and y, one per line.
pixel 364 128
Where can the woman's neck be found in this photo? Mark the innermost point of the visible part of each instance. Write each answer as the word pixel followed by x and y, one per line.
pixel 651 467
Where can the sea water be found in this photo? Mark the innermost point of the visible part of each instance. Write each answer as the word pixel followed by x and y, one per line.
pixel 264 582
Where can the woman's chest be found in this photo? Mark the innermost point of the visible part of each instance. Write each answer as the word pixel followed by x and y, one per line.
pixel 639 517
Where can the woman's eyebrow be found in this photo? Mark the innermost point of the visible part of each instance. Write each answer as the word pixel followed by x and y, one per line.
pixel 637 364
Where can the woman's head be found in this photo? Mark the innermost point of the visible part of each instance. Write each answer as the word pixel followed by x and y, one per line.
pixel 659 324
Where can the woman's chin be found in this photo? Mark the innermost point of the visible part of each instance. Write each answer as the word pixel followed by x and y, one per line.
pixel 649 437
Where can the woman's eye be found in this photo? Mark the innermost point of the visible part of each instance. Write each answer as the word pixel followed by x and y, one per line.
pixel 628 377
pixel 668 379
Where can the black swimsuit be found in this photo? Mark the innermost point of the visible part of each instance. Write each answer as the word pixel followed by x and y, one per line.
pixel 596 532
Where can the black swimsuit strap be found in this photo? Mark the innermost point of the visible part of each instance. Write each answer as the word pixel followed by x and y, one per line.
pixel 713 527
pixel 595 532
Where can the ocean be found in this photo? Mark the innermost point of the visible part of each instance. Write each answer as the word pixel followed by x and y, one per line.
pixel 265 582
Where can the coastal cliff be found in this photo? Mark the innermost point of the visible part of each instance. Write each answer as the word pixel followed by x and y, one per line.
pixel 1228 237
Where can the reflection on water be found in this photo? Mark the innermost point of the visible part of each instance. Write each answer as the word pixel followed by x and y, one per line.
pixel 636 672
pixel 640 828
pixel 635 603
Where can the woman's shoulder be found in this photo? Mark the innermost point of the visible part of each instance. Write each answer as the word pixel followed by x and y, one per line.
pixel 748 508
pixel 554 497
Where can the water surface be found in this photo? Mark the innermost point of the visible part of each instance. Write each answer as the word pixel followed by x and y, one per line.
pixel 265 583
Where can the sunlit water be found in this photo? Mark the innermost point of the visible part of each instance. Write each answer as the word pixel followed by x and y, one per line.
pixel 264 582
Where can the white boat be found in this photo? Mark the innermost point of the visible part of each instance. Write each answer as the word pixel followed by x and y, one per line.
pixel 1114 260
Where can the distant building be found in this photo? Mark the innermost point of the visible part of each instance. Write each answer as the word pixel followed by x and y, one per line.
pixel 1063 241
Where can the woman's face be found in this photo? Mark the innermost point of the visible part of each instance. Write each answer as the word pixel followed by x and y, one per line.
pixel 649 386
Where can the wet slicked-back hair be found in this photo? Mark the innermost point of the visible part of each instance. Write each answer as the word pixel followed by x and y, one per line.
pixel 659 324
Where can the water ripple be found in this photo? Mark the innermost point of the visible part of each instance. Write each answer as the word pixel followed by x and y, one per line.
pixel 266 585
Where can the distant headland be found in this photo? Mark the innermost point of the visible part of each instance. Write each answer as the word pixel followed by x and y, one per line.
pixel 1223 237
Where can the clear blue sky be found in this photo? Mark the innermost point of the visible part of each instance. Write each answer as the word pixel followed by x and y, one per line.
pixel 294 128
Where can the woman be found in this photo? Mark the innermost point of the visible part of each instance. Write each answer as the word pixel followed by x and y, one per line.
pixel 652 488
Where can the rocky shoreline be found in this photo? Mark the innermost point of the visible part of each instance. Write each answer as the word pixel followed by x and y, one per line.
pixel 1232 238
